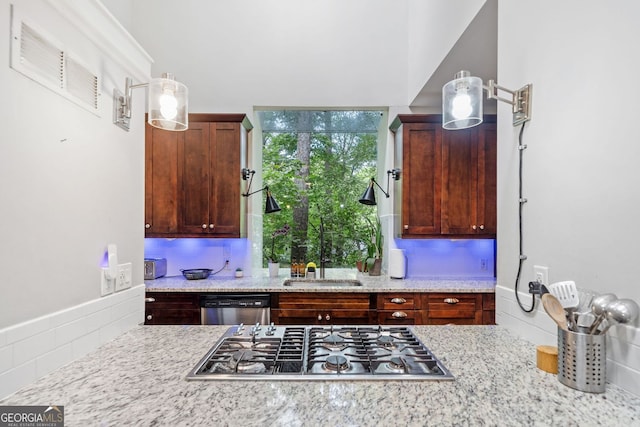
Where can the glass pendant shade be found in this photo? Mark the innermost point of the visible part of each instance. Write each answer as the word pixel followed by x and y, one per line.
pixel 271 205
pixel 168 104
pixel 369 196
pixel 462 102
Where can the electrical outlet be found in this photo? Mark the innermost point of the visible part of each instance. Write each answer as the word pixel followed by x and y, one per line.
pixel 123 280
pixel 107 286
pixel 541 274
pixel 484 264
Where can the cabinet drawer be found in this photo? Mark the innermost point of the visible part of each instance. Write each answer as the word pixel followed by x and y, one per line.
pixel 399 317
pixel 398 301
pixel 461 309
pixel 323 301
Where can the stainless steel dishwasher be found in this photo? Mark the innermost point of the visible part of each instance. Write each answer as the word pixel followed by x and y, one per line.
pixel 233 309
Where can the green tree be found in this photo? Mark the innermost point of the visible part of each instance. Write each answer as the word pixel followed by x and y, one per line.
pixel 324 184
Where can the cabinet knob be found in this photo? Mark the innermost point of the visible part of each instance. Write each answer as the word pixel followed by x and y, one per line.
pixel 212 226
pixel 149 317
pixel 406 226
pixel 451 300
pixel 475 227
pixel 398 300
pixel 399 314
pixel 482 227
pixel 149 299
pixel 319 316
pixel 327 317
pixel 147 226
pixel 204 226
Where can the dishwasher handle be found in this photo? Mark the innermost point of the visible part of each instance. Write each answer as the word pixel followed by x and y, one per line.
pixel 235 300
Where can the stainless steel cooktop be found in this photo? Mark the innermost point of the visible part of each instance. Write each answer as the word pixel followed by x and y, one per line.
pixel 319 353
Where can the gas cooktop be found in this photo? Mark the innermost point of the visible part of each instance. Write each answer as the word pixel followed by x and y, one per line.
pixel 319 353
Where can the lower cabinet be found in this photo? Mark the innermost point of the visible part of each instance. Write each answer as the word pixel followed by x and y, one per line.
pixel 317 308
pixel 172 308
pixel 342 308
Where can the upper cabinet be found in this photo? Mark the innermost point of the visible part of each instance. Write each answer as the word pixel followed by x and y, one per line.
pixel 193 178
pixel 448 185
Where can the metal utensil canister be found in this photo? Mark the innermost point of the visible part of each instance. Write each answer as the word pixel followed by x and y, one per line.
pixel 582 361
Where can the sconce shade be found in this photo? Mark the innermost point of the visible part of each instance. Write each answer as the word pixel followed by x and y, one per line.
pixel 369 196
pixel 168 103
pixel 462 102
pixel 271 205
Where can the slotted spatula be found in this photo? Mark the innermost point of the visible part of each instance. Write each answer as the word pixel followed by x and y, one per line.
pixel 567 294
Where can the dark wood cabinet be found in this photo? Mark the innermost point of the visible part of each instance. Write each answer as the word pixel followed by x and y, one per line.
pixel 452 308
pixel 306 308
pixel 172 308
pixel 448 184
pixel 204 165
pixel 399 309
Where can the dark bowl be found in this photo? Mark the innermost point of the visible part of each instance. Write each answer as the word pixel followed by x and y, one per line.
pixel 196 273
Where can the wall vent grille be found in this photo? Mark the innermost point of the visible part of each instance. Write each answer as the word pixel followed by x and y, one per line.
pixel 43 60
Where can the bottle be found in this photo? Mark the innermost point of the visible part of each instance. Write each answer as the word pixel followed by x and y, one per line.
pixel 294 268
pixel 301 268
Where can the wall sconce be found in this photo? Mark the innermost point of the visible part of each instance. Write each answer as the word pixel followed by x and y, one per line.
pixel 462 101
pixel 369 196
pixel 271 205
pixel 168 104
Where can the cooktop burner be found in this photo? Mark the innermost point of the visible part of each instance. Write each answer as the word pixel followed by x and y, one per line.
pixel 319 353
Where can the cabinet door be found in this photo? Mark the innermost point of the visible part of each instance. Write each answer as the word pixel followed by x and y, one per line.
pixel 421 182
pixel 460 181
pixel 172 308
pixel 487 159
pixel 195 172
pixel 224 198
pixel 322 308
pixel 161 181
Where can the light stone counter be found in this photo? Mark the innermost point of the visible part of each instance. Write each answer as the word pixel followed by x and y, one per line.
pixel 264 283
pixel 138 379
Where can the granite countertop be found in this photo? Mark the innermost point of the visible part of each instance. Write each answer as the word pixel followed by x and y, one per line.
pixel 264 283
pixel 139 379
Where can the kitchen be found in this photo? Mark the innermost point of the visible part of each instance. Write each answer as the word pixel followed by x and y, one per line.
pixel 87 174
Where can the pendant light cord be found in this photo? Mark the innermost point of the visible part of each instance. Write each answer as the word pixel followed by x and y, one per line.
pixel 521 202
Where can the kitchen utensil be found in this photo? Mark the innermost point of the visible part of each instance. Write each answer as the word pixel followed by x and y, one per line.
pixel 598 306
pixel 196 273
pixel 567 294
pixel 555 310
pixel 619 312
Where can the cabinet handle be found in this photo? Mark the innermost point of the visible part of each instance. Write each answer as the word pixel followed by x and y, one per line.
pixel 204 226
pixel 475 227
pixel 319 316
pixel 482 227
pixel 398 300
pixel 406 227
pixel 327 317
pixel 451 300
pixel 211 226
pixel 149 317
pixel 147 226
pixel 399 314
pixel 149 299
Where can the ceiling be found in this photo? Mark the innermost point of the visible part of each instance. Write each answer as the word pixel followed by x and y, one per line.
pixel 476 51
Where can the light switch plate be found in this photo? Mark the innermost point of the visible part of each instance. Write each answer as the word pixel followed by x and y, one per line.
pixel 107 286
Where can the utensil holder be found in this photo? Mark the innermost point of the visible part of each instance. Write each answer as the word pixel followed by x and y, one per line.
pixel 582 361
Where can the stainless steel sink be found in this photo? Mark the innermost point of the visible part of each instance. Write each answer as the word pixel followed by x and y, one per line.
pixel 305 283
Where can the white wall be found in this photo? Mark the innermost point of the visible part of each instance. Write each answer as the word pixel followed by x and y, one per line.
pixel 72 182
pixel 580 168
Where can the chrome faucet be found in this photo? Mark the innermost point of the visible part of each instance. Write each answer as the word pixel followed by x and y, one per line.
pixel 323 260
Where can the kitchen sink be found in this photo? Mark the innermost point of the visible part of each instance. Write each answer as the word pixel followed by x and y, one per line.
pixel 303 283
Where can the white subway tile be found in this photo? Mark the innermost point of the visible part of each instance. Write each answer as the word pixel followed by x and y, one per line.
pixel 86 343
pixel 66 316
pixel 70 331
pixel 3 337
pixel 53 360
pixel 6 358
pixel 32 347
pixel 28 329
pixel 623 376
pixel 16 378
pixel 95 321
